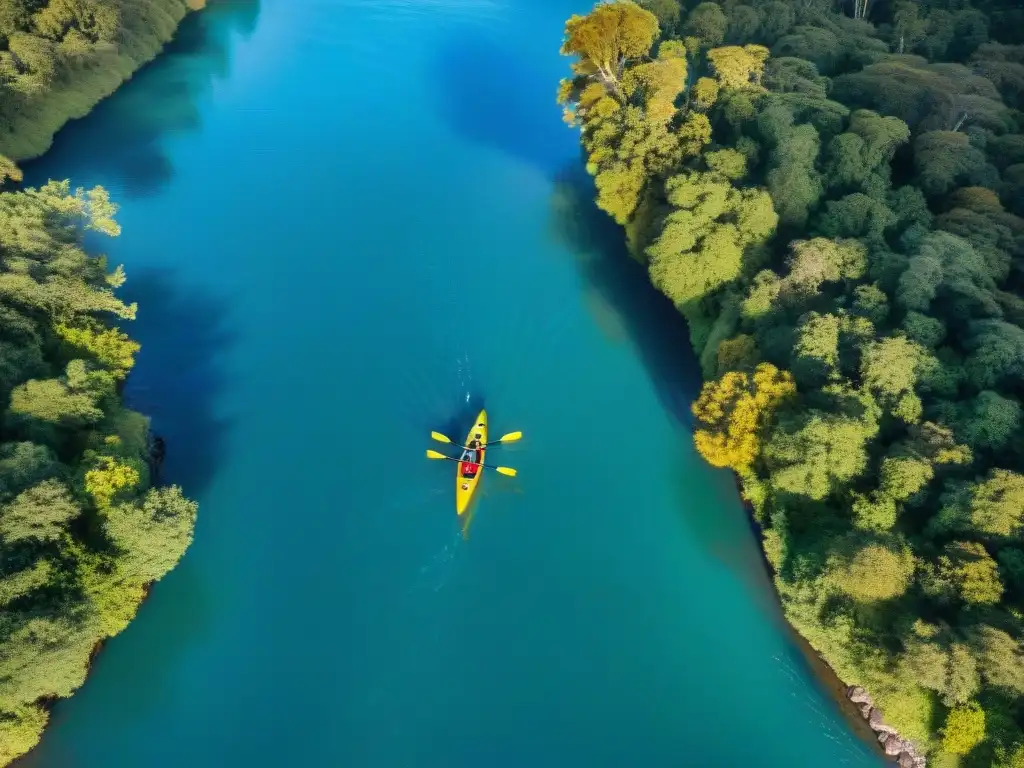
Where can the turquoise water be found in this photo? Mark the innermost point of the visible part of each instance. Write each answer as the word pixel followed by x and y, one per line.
pixel 349 222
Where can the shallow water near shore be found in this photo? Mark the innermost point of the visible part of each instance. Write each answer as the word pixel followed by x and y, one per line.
pixel 348 223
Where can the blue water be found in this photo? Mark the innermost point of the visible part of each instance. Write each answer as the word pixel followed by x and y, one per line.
pixel 347 223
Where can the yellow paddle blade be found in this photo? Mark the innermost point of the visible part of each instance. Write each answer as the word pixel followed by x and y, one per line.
pixel 435 455
pixel 511 437
pixel 506 471
pixel 439 437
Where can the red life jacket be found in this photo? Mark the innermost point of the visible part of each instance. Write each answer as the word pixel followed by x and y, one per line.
pixel 469 468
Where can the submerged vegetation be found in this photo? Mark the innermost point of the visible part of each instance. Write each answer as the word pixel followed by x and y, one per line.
pixel 832 195
pixel 83 529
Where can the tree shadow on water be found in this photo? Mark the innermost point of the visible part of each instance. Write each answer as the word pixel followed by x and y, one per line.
pixel 122 138
pixel 491 94
pixel 622 298
pixel 177 380
pixel 620 294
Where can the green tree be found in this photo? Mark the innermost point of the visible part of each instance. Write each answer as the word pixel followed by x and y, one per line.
pixel 39 513
pixel 993 505
pixel 878 571
pixel 153 533
pixel 989 420
pixel 964 729
pixel 1000 657
pixel 708 24
pixel 964 571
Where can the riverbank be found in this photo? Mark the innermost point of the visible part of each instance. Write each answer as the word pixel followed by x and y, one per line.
pixel 77 574
pixel 859 722
pixel 787 205
pixel 84 80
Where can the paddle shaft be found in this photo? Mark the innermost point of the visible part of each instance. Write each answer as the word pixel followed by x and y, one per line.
pixel 452 458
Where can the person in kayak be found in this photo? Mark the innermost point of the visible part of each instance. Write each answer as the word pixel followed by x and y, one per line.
pixel 470 465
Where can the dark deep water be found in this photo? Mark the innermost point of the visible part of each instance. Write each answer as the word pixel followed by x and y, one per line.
pixel 349 222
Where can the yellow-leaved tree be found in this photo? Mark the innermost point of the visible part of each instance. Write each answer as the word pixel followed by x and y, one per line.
pixel 734 410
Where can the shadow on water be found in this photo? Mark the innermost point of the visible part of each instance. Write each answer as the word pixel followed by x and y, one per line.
pixel 123 136
pixel 623 302
pixel 620 294
pixel 176 380
pixel 490 94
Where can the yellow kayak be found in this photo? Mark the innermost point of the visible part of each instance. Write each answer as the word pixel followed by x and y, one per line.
pixel 466 479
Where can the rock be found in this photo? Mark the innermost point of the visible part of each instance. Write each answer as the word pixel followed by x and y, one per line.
pixel 883 737
pixel 865 711
pixel 893 745
pixel 905 760
pixel 875 721
pixel 860 696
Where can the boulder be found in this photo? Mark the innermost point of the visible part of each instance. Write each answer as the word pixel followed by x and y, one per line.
pixel 893 745
pixel 905 760
pixel 883 737
pixel 875 721
pixel 859 696
pixel 865 711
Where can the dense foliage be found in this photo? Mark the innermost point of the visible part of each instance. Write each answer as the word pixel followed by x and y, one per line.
pixel 832 194
pixel 59 57
pixel 83 532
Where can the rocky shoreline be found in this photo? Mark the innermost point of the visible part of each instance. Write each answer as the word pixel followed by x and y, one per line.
pixel 904 752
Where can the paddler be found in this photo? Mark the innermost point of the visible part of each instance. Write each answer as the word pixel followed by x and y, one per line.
pixel 470 466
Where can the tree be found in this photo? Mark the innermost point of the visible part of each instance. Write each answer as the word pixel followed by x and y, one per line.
pixel 1001 658
pixel 816 453
pixel 964 729
pixel 708 24
pixel 738 66
pixel 989 420
pixel 964 571
pixel 997 352
pixel 944 159
pixel 875 513
pixel 703 239
pixel 890 368
pixel 110 478
pixel 39 513
pixel 108 346
pixel 733 412
pixel 607 38
pixel 993 505
pixel 153 533
pixel 816 352
pixel 877 571
pixel 666 12
pixel 704 93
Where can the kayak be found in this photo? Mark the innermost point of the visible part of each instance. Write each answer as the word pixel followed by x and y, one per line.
pixel 465 484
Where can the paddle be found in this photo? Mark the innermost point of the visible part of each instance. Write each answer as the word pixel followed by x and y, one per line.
pixel 511 437
pixel 501 470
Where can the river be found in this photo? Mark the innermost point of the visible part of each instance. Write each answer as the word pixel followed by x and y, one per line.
pixel 347 223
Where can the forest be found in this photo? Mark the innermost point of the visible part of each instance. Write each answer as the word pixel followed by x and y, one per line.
pixel 832 194
pixel 84 527
pixel 58 58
